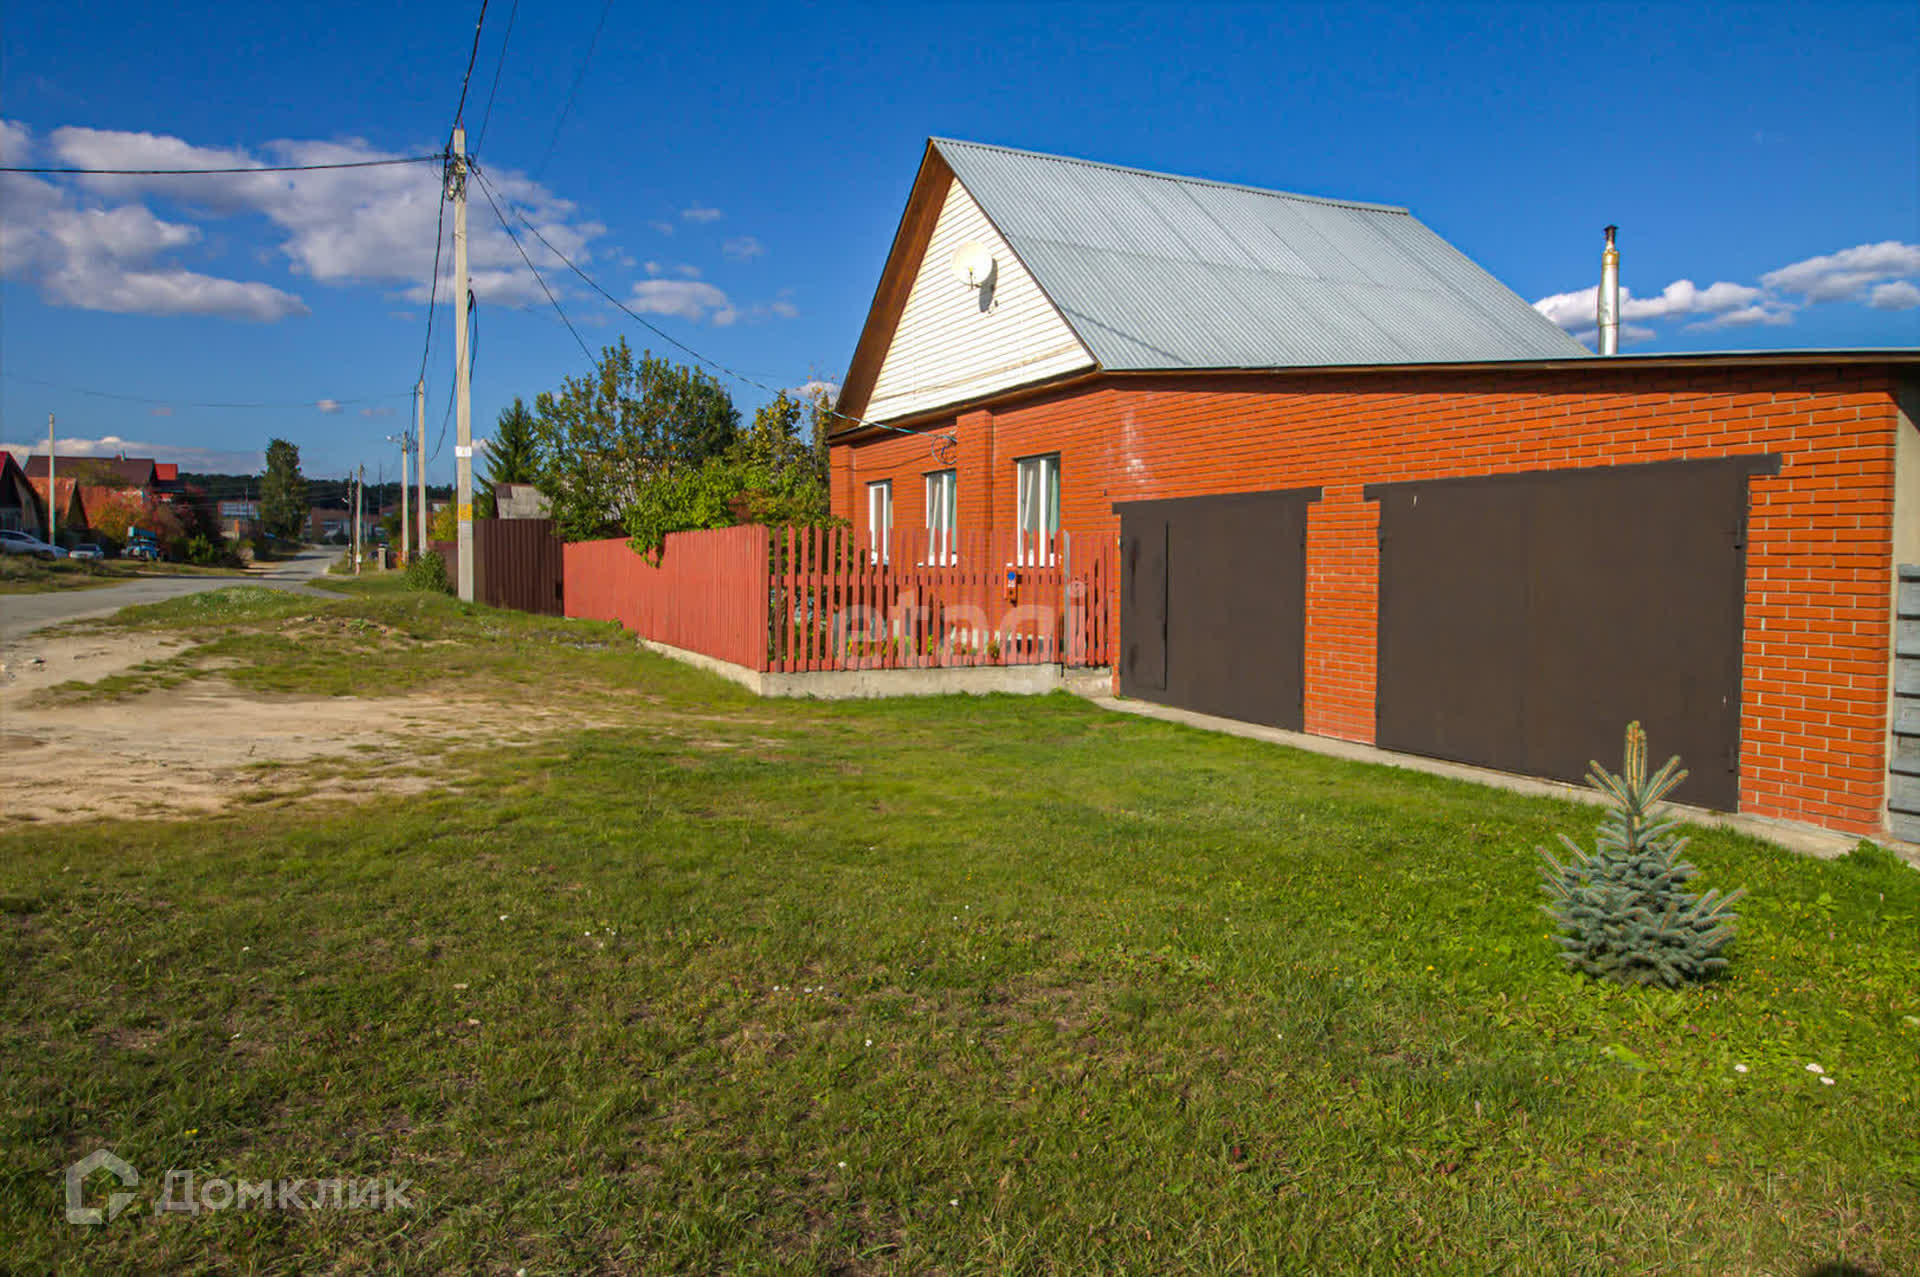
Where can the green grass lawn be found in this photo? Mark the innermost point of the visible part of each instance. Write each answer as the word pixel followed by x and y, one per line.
pixel 958 985
pixel 22 574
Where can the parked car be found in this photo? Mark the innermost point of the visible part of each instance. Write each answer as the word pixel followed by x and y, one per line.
pixel 23 543
pixel 86 550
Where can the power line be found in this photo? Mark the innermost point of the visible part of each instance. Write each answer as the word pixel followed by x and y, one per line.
pixel 191 403
pixel 473 53
pixel 433 287
pixel 204 172
pixel 578 75
pixel 487 117
pixel 486 190
pixel 665 336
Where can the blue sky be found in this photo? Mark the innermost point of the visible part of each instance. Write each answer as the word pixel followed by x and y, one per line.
pixel 737 173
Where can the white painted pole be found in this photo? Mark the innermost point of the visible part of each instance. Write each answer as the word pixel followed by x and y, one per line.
pixel 406 531
pixel 462 375
pixel 53 489
pixel 420 442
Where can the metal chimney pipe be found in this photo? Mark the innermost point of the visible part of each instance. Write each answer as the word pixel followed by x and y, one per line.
pixel 1607 306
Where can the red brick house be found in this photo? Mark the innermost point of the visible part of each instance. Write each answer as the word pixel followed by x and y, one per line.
pixel 1364 491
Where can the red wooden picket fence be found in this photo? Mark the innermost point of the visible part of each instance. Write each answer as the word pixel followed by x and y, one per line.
pixel 803 599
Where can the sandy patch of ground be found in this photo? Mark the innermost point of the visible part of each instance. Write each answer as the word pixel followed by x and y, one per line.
pixel 203 746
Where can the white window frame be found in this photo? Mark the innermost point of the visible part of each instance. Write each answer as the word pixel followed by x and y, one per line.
pixel 880 519
pixel 1032 526
pixel 943 507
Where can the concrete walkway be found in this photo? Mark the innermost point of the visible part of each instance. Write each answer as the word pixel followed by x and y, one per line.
pixel 22 614
pixel 1808 840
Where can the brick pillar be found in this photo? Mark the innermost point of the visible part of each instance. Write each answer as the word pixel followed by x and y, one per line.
pixel 977 472
pixel 1343 591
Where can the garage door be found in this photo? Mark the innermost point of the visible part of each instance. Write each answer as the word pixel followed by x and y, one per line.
pixel 1526 619
pixel 1213 603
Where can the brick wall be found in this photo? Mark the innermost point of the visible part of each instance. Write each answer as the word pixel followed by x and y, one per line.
pixel 1815 683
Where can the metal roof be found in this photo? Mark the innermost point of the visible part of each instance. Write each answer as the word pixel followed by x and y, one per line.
pixel 1157 272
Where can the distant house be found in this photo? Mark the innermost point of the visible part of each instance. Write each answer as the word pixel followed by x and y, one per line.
pixel 324 524
pixel 19 502
pixel 519 501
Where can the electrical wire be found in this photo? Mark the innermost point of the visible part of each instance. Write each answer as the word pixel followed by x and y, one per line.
pixel 579 75
pixel 681 345
pixel 191 403
pixel 460 110
pixel 433 285
pixel 485 189
pixel 205 172
pixel 487 117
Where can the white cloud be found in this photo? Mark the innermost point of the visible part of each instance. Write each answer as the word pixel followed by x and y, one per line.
pixel 686 298
pixel 701 214
pixel 1768 312
pixel 338 227
pixel 743 248
pixel 201 460
pixel 1898 295
pixel 111 258
pixel 1575 311
pixel 1846 275
pixel 1870 273
pixel 652 268
pixel 327 405
pixel 687 271
pixel 808 389
pixel 160 410
pixel 665 228
pixel 381 410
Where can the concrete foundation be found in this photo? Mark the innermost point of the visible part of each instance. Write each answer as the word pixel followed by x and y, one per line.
pixel 840 685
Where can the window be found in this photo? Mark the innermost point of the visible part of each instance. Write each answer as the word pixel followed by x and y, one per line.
pixel 879 518
pixel 941 490
pixel 1039 479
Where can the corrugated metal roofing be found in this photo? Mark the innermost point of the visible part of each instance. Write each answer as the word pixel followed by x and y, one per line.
pixel 1156 271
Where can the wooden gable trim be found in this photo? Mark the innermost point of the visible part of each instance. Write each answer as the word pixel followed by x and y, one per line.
pixel 910 241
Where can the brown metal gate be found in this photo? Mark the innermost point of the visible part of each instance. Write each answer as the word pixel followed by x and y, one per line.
pixel 1526 619
pixel 518 563
pixel 1213 603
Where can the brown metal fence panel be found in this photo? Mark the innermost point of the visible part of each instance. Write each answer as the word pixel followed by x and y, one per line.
pixel 1526 619
pixel 518 563
pixel 1214 605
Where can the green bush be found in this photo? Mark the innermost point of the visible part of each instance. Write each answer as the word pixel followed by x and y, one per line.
pixel 1622 909
pixel 204 551
pixel 428 571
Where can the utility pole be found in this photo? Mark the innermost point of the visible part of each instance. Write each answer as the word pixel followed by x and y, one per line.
pixel 53 489
pixel 406 548
pixel 357 483
pixel 462 375
pixel 420 442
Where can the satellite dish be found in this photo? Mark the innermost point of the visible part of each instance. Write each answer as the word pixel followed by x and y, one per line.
pixel 973 264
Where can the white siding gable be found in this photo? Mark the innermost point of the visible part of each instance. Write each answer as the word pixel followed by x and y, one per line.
pixel 946 349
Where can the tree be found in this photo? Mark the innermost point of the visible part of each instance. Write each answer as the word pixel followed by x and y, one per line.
pixel 770 475
pixel 1622 909
pixel 511 454
pixel 109 516
pixel 283 491
pixel 601 437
